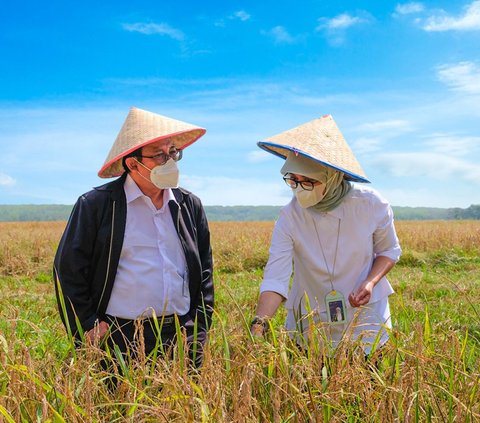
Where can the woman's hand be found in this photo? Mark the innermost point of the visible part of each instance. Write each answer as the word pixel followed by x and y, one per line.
pixel 258 327
pixel 362 295
pixel 268 304
pixel 381 266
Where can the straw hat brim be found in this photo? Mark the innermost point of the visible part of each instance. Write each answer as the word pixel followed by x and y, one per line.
pixel 181 140
pixel 142 128
pixel 282 151
pixel 319 140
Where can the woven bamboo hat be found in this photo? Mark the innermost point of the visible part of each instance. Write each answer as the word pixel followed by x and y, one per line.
pixel 142 128
pixel 319 140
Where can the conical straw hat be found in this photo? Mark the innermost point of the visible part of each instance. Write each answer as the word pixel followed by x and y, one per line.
pixel 142 128
pixel 319 140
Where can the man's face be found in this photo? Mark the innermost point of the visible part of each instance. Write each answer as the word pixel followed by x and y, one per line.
pixel 152 155
pixel 157 153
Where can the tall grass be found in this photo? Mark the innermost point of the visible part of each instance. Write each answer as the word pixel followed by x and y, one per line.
pixel 26 248
pixel 428 372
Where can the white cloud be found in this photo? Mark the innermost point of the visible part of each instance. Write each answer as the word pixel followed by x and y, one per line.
pixel 239 112
pixel 421 196
pixel 153 28
pixel 469 21
pixel 241 15
pixel 366 145
pixel 425 164
pixel 336 27
pixel 6 180
pixel 375 134
pixel 454 145
pixel 339 22
pixel 463 76
pixel 225 191
pixel 258 156
pixel 280 35
pixel 409 8
pixel 397 125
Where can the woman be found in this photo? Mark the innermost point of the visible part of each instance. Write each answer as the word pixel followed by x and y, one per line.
pixel 338 238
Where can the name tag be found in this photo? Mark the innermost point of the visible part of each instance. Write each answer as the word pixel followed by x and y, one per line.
pixel 336 310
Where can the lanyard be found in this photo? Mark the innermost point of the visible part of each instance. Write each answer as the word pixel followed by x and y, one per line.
pixel 331 274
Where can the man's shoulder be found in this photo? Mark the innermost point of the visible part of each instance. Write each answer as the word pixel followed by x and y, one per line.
pixel 103 191
pixel 111 185
pixel 184 195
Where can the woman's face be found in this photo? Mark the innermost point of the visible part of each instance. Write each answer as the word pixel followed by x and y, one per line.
pixel 301 178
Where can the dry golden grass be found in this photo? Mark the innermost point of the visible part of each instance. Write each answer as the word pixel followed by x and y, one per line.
pixel 434 235
pixel 243 246
pixel 429 372
pixel 239 246
pixel 27 248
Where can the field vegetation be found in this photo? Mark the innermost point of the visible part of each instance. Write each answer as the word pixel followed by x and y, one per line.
pixel 429 372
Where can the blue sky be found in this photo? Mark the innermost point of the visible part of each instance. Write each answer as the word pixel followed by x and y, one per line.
pixel 401 79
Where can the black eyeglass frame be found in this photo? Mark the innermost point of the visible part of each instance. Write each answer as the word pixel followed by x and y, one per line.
pixel 293 183
pixel 175 155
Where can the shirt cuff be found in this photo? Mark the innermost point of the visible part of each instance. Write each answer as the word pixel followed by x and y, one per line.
pixel 391 254
pixel 274 286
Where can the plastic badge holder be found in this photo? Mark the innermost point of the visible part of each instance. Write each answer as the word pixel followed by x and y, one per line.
pixel 336 310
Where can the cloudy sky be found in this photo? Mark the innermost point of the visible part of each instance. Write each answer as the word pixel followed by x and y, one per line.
pixel 402 81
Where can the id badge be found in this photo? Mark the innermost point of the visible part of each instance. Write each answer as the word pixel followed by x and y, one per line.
pixel 336 310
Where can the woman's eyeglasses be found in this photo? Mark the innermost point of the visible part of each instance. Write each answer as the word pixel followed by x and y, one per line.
pixel 293 183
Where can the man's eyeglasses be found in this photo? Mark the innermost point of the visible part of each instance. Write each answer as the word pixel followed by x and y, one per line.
pixel 162 158
pixel 293 183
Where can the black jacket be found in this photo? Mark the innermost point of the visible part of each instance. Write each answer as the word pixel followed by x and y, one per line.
pixel 87 258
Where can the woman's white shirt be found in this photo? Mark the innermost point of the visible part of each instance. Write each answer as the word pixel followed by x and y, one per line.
pixel 363 223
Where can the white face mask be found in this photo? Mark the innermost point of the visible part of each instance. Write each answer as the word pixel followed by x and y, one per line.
pixel 309 198
pixel 164 176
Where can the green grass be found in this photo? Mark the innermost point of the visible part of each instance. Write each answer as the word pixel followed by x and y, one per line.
pixel 428 373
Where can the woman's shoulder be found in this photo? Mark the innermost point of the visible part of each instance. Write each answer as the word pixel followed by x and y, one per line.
pixel 286 210
pixel 365 199
pixel 365 192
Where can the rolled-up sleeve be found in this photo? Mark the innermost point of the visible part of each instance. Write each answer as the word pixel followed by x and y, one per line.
pixel 385 240
pixel 279 267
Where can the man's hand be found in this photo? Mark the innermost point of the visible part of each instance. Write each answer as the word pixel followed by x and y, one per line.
pixel 363 294
pixel 97 333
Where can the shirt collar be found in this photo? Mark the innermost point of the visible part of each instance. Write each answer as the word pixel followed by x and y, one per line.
pixel 168 196
pixel 132 192
pixel 337 212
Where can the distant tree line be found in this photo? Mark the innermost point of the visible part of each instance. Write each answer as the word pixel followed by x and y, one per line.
pixel 429 213
pixel 51 212
pixel 242 213
pixel 34 212
pixel 472 212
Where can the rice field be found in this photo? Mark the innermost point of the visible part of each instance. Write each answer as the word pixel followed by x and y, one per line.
pixel 429 372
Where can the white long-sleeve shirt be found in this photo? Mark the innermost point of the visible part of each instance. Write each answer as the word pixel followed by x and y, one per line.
pixel 152 271
pixel 366 231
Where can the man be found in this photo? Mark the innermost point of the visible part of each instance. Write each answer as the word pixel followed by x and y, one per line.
pixel 137 250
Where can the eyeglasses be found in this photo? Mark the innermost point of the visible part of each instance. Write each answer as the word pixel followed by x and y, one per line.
pixel 293 183
pixel 162 158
